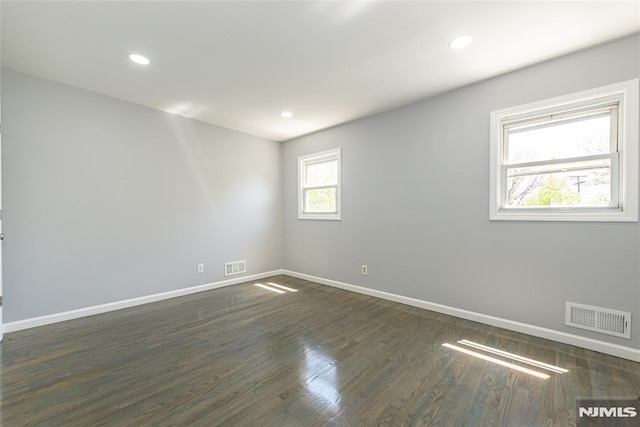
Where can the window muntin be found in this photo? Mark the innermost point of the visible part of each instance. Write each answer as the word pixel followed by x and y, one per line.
pixel 319 186
pixel 571 158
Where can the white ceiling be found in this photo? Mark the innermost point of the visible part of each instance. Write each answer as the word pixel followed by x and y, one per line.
pixel 239 64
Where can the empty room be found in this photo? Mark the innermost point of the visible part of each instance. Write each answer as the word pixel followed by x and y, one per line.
pixel 310 213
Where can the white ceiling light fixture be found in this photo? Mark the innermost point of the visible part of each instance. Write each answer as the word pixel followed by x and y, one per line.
pixel 139 59
pixel 460 42
pixel 286 114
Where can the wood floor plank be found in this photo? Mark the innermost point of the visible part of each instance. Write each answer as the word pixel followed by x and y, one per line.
pixel 246 356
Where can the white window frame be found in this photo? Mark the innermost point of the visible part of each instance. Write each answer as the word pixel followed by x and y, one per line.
pixel 329 155
pixel 624 163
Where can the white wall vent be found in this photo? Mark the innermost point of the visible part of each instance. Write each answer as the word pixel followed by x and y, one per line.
pixel 611 322
pixel 235 267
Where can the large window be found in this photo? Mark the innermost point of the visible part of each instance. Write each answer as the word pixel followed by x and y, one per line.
pixel 572 158
pixel 319 185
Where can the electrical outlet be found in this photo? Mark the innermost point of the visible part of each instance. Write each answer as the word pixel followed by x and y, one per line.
pixel 200 268
pixel 365 270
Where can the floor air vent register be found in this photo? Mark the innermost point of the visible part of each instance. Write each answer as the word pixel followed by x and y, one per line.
pixel 603 320
pixel 235 267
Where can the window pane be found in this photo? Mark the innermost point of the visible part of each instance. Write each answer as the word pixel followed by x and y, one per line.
pixel 561 140
pixel 574 186
pixel 321 174
pixel 322 200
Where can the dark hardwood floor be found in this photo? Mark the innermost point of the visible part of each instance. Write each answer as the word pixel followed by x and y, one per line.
pixel 247 356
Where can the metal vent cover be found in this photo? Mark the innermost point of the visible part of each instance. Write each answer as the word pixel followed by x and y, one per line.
pixel 603 320
pixel 235 267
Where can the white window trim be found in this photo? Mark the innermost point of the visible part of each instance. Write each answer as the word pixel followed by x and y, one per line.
pixel 628 116
pixel 334 154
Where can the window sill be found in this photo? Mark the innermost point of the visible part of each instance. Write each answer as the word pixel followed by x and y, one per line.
pixel 564 215
pixel 321 217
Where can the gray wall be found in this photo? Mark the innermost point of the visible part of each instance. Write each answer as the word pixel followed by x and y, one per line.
pixel 415 206
pixel 106 200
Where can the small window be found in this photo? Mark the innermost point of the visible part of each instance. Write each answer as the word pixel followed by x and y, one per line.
pixel 573 158
pixel 319 185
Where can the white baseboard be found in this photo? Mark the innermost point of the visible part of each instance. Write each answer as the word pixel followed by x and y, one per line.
pixel 118 305
pixel 550 334
pixel 588 343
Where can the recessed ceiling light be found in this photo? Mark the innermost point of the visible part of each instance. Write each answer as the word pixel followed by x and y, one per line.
pixel 286 114
pixel 139 59
pixel 460 42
